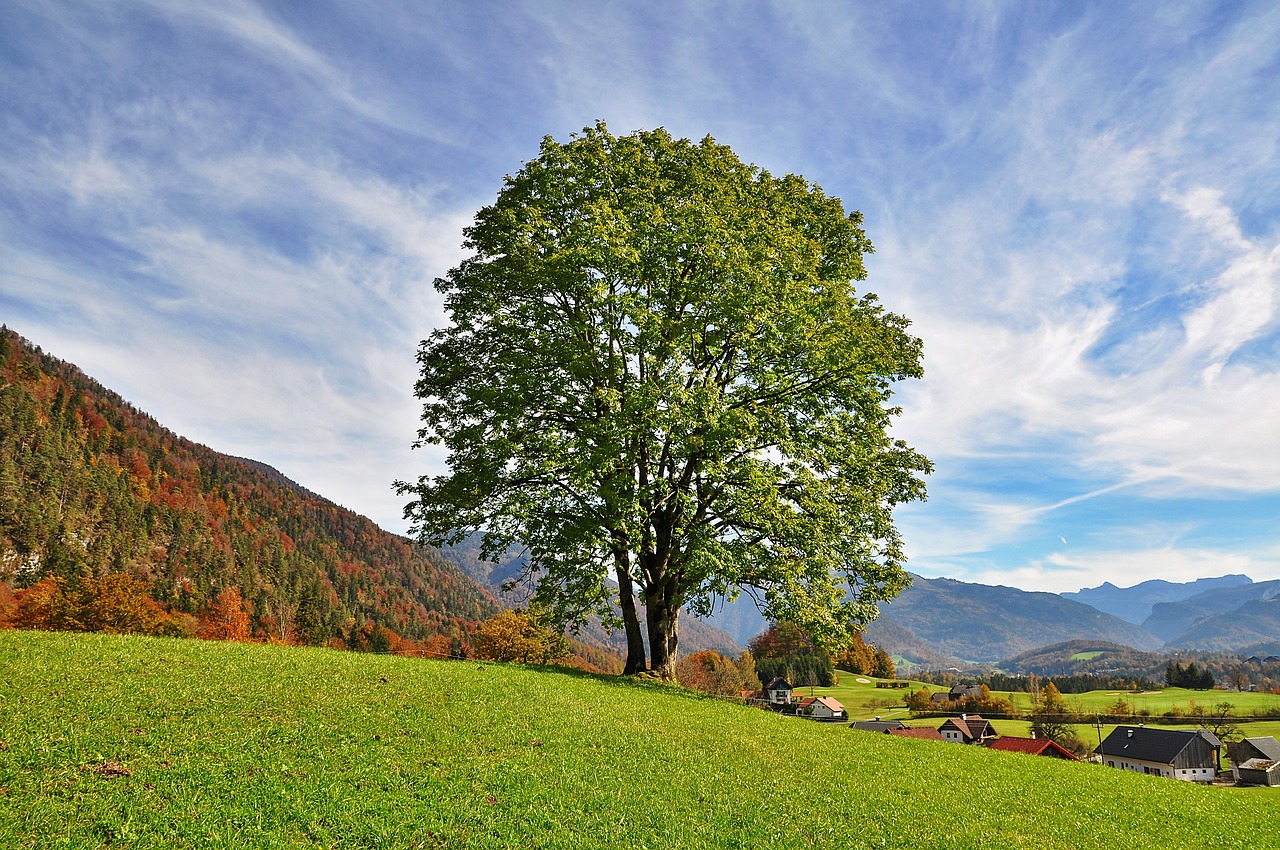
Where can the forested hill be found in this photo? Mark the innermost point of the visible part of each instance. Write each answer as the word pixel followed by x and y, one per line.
pixel 90 486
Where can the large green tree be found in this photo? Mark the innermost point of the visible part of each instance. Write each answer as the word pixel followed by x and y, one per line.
pixel 659 371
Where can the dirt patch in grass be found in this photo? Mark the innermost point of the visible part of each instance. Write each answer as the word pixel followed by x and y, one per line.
pixel 109 769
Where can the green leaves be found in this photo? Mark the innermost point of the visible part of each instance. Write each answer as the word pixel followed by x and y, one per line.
pixel 658 346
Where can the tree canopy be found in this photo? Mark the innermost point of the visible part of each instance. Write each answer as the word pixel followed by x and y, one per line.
pixel 659 380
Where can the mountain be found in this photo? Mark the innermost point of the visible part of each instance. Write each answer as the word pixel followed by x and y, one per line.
pixel 1135 603
pixel 1172 620
pixel 985 623
pixel 90 486
pixel 1256 621
pixel 695 634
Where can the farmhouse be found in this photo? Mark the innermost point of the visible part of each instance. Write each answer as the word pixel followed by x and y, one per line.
pixel 822 708
pixel 1191 756
pixel 1032 746
pixel 778 692
pixel 967 729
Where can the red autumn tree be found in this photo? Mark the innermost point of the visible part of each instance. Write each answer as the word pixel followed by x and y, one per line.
pixel 225 618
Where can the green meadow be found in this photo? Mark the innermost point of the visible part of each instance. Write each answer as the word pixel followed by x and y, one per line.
pixel 109 741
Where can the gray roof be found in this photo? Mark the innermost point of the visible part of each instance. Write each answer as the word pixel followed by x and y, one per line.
pixel 881 726
pixel 1145 744
pixel 1268 746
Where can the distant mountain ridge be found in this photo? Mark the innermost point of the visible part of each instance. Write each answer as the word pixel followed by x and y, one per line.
pixel 1135 603
pixel 1172 620
pixel 986 623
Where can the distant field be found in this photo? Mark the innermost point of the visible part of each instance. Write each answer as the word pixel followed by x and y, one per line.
pixel 149 743
pixel 1086 656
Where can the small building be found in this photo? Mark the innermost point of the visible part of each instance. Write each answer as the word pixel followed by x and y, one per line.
pixel 1032 746
pixel 967 729
pixel 1172 753
pixel 1257 761
pixel 1267 749
pixel 877 725
pixel 957 692
pixel 1260 772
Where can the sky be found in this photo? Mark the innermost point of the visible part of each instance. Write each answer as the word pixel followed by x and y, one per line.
pixel 232 213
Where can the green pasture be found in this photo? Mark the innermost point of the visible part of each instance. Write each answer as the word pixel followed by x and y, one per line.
pixel 109 741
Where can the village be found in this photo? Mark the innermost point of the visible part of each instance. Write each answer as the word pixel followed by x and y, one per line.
pixel 1187 755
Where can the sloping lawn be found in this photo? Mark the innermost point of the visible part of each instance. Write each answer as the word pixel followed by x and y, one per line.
pixel 129 742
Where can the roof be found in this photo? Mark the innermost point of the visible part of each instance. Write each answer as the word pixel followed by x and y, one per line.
pixel 831 703
pixel 1157 745
pixel 878 725
pixel 923 732
pixel 1258 764
pixel 1032 746
pixel 971 726
pixel 779 684
pixel 1268 746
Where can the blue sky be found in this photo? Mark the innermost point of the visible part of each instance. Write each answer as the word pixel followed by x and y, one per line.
pixel 232 213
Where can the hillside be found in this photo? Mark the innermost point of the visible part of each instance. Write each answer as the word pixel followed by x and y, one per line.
pixel 1088 657
pixel 248 745
pixel 985 623
pixel 1170 620
pixel 1134 603
pixel 1256 621
pixel 91 486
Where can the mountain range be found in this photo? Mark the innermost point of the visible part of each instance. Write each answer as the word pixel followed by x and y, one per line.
pixel 89 486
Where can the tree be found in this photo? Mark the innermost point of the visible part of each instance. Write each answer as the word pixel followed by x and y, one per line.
pixel 1052 720
pixel 520 636
pixel 747 666
pixel 710 672
pixel 920 702
pixel 659 370
pixel 786 650
pixel 225 618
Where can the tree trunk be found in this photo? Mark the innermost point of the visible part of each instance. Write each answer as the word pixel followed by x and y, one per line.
pixel 630 619
pixel 662 609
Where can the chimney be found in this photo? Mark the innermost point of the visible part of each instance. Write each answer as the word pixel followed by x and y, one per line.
pixel 964 717
pixel 1130 731
pixel 1033 736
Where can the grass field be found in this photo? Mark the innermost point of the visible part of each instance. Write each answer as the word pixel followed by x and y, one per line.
pixel 130 742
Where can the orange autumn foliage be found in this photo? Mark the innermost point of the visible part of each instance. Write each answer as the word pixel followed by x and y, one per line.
pixel 225 618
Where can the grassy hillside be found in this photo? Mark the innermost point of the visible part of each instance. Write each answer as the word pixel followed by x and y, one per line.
pixel 144 742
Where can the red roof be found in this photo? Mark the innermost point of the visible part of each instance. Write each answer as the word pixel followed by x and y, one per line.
pixel 924 733
pixel 1033 746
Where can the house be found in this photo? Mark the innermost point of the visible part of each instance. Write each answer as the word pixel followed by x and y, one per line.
pixel 829 709
pixel 1191 756
pixel 778 692
pixel 1257 761
pixel 924 733
pixel 1032 746
pixel 967 729
pixel 877 725
pixel 957 692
